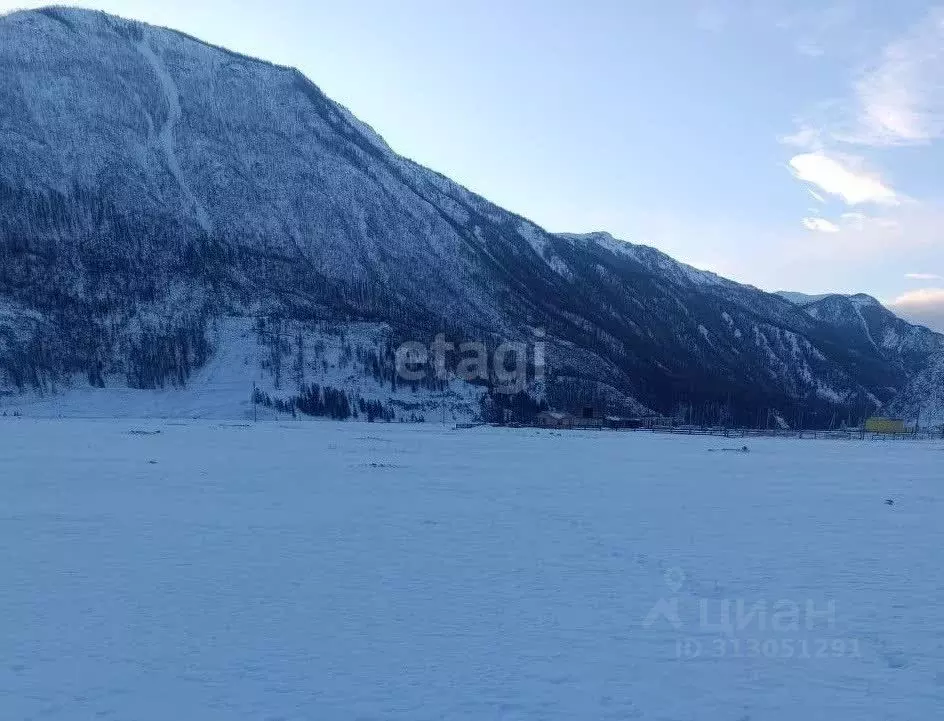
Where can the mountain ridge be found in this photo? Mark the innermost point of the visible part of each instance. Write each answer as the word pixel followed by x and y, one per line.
pixel 219 185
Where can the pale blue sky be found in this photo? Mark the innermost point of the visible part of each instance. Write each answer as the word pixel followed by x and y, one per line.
pixel 785 143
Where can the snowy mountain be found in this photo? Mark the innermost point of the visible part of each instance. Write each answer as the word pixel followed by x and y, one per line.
pixel 156 190
pixel 868 326
pixel 922 400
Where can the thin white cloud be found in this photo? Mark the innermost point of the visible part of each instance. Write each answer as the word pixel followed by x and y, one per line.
pixel 861 221
pixel 910 233
pixel 923 276
pixel 857 223
pixel 900 100
pixel 806 137
pixel 819 29
pixel 854 220
pixel 820 225
pixel 834 178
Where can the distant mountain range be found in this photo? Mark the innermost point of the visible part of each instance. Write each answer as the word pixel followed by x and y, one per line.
pixel 157 192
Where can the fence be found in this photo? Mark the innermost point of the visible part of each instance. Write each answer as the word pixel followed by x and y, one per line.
pixel 848 434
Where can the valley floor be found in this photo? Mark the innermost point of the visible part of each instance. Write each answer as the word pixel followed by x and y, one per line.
pixel 213 571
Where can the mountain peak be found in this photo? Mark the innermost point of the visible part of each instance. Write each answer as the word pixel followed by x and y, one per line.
pixel 801 298
pixel 79 20
pixel 863 299
pixel 72 18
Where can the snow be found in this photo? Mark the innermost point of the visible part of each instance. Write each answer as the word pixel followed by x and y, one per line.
pixel 222 388
pixel 166 133
pixel 336 571
pixel 865 326
pixel 534 236
pixel 801 298
pixel 826 391
pixel 653 259
pixel 923 397
pixel 560 267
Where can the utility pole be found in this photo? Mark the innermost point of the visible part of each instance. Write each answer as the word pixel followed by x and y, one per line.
pixel 442 397
pixel 255 415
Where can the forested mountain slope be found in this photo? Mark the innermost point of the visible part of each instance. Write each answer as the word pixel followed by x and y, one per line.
pixel 152 186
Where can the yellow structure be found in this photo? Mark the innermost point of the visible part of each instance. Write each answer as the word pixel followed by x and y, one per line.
pixel 885 425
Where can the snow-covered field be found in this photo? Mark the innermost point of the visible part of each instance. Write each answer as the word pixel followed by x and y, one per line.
pixel 293 571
